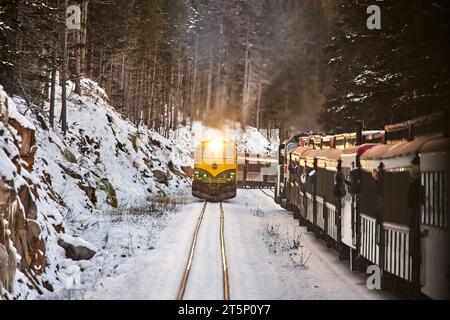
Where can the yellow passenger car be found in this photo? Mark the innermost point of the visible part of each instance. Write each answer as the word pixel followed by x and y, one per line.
pixel 215 165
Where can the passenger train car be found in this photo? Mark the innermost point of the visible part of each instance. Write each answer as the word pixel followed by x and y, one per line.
pixel 378 197
pixel 215 168
pixel 285 148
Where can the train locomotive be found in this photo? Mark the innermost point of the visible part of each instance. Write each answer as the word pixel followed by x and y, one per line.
pixel 379 198
pixel 215 167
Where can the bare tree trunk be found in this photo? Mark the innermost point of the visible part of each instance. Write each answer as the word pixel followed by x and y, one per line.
pixel 84 19
pixel 218 103
pixel 245 93
pixel 194 83
pixel 63 118
pixel 110 80
pixel 77 62
pixel 53 87
pixel 209 93
pixel 101 68
pixel 141 95
pixel 258 107
pixel 219 93
pixel 123 72
pixel 177 97
pixel 171 99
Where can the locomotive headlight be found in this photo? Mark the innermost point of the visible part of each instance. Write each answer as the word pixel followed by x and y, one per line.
pixel 216 146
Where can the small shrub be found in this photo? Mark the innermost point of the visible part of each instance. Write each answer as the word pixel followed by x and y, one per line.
pixel 288 243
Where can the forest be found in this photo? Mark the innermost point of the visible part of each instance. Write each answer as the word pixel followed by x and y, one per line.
pixel 286 64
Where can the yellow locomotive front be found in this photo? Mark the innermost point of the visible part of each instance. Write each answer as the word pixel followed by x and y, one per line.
pixel 215 165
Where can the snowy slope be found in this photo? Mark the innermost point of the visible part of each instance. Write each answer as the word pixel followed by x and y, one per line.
pixel 250 139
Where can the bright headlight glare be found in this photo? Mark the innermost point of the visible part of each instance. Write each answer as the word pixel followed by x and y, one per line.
pixel 216 145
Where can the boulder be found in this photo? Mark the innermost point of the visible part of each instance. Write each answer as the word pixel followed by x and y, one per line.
pixel 76 248
pixel 175 171
pixel 160 176
pixel 69 156
pixel 189 171
pixel 70 172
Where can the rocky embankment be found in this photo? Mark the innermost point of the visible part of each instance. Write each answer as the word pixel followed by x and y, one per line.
pixel 22 245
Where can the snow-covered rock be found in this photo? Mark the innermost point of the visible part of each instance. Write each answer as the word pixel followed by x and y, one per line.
pixel 76 248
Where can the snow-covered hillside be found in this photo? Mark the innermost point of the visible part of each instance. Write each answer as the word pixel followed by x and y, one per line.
pixel 248 140
pixel 103 162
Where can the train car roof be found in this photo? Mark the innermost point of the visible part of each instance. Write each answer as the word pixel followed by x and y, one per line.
pixel 311 153
pixel 330 154
pixel 405 148
pixel 358 150
pixel 300 150
pixel 422 145
pixel 377 152
pixel 436 145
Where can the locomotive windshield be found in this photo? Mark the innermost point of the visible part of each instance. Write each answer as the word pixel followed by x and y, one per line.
pixel 215 151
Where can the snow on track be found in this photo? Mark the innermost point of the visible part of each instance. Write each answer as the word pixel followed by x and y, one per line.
pixel 206 277
pixel 157 274
pixel 251 274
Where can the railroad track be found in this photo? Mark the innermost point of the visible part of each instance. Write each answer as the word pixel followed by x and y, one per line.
pixel 266 193
pixel 187 269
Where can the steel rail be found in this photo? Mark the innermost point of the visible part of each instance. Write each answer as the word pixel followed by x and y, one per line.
pixel 188 266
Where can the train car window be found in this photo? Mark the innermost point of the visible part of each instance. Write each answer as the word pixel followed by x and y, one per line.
pixel 198 154
pixel 395 197
pixel 355 181
pixel 291 146
pixel 369 195
pixel 230 151
pixel 339 143
pixel 350 142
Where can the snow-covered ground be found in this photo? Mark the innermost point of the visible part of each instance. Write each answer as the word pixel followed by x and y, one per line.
pixel 256 270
